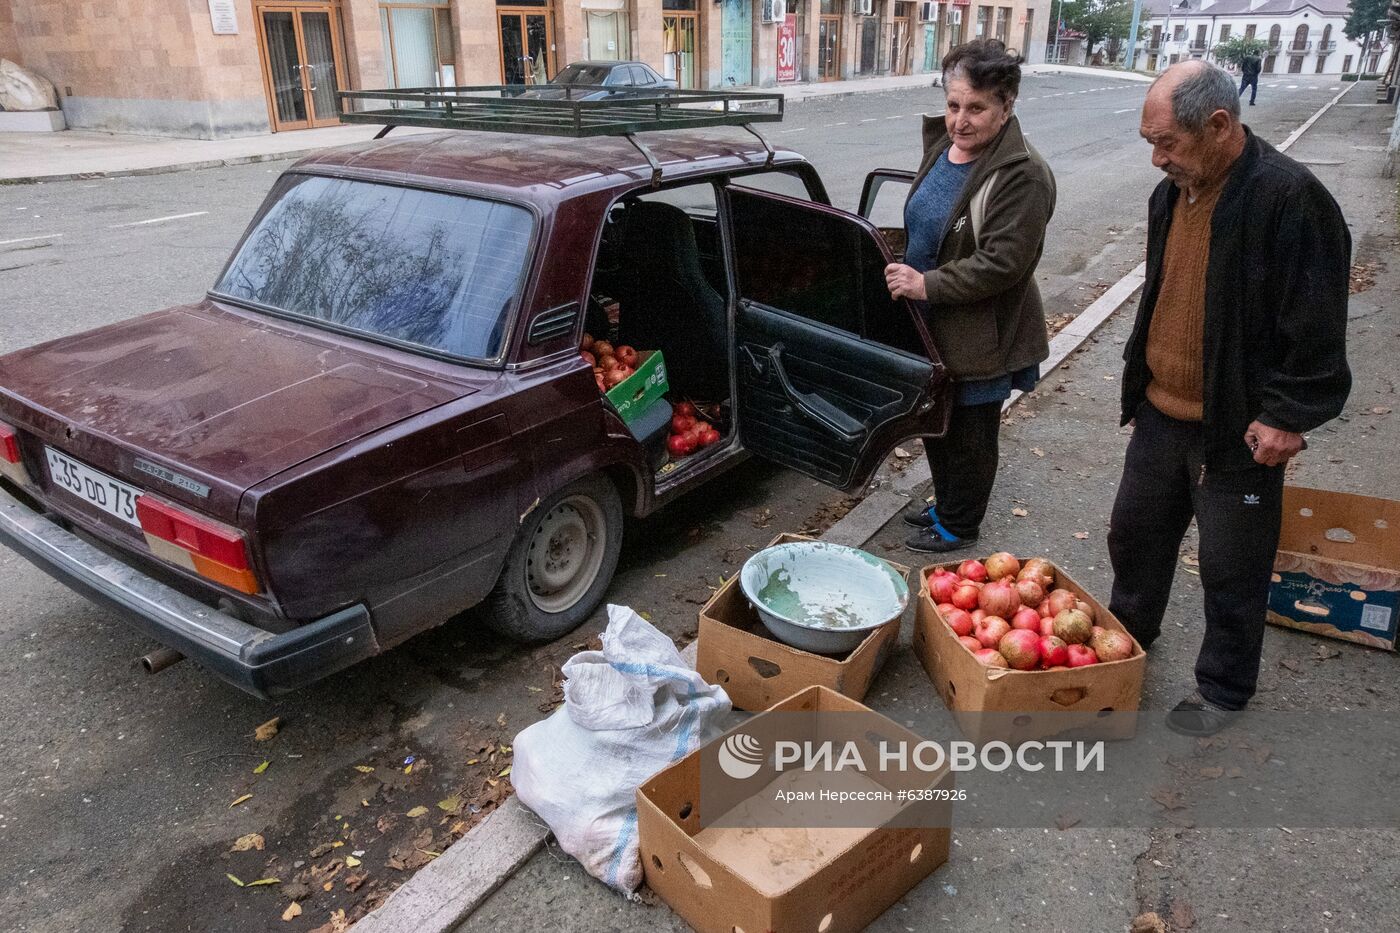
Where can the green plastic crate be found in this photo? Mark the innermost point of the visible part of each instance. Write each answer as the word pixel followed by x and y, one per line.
pixel 633 395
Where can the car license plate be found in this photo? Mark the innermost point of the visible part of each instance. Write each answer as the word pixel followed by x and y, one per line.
pixel 94 487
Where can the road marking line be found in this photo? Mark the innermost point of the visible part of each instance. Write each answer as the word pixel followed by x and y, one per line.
pixel 1124 110
pixel 157 220
pixel 1293 87
pixel 900 117
pixel 869 120
pixel 1297 134
pixel 28 239
pixel 842 123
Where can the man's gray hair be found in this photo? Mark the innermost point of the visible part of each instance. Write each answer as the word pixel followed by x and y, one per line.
pixel 1204 90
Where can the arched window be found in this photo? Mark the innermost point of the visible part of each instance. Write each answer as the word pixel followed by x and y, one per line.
pixel 1300 38
pixel 1273 36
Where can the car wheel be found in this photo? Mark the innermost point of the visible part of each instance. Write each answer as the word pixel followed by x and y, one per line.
pixel 560 563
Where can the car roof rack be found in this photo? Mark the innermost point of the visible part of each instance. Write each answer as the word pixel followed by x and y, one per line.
pixel 625 112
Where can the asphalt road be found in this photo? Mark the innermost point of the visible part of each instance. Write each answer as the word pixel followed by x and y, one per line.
pixel 116 811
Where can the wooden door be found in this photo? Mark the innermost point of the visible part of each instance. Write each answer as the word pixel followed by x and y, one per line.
pixel 527 40
pixel 303 63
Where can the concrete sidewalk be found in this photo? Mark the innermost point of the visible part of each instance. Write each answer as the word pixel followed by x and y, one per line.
pixel 27 158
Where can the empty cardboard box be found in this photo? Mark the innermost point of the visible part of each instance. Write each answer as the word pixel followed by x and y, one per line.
pixel 736 651
pixel 971 690
pixel 1337 572
pixel 788 880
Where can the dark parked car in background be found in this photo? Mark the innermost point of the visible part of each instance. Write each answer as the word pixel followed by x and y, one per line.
pixel 378 417
pixel 605 76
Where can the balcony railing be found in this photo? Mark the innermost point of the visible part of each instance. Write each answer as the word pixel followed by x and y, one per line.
pixel 1299 48
pixel 1325 48
pixel 1196 46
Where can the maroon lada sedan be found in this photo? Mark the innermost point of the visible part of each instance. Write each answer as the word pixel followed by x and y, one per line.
pixel 379 417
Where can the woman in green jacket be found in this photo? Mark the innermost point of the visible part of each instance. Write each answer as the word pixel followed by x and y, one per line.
pixel 975 219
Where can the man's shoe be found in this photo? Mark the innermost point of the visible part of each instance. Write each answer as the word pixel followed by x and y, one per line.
pixel 1251 103
pixel 937 540
pixel 920 513
pixel 1197 717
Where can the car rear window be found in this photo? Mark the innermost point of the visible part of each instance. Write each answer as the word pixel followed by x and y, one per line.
pixel 582 74
pixel 440 271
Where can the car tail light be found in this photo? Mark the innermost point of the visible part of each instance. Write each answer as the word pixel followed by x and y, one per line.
pixel 9 444
pixel 11 465
pixel 209 548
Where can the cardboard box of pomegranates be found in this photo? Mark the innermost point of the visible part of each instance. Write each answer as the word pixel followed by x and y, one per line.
pixel 757 864
pixel 1337 572
pixel 1003 642
pixel 736 651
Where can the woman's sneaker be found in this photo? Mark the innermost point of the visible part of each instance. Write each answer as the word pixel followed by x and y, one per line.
pixel 920 513
pixel 937 540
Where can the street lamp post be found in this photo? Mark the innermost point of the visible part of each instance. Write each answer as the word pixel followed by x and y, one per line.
pixel 1059 24
pixel 1131 61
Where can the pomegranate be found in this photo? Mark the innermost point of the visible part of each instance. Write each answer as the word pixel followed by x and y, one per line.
pixel 588 358
pixel 945 608
pixel 1073 626
pixel 942 587
pixel 1081 656
pixel 1053 651
pixel 970 643
pixel 1111 645
pixel 1044 609
pixel 1058 667
pixel 1085 608
pixel 1031 592
pixel 1060 600
pixel 990 631
pixel 978 615
pixel 1039 570
pixel 601 348
pixel 1047 625
pixel 587 342
pixel 973 570
pixel 959 621
pixel 965 597
pixel 1021 649
pixel 1026 618
pixel 990 657
pixel 999 598
pixel 1002 564
pixel 627 355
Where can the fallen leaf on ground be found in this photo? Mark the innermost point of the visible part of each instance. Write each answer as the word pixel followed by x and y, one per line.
pixel 417 812
pixel 1190 560
pixel 1065 821
pixel 1148 923
pixel 1168 798
pixel 504 773
pixel 1380 410
pixel 450 804
pixel 1291 665
pixel 1235 772
pixel 262 881
pixel 351 862
pixel 353 882
pixel 1325 652
pixel 250 841
pixel 262 767
pixel 1081 535
pixel 292 912
pixel 364 769
pixel 1037 451
pixel 244 799
pixel 1212 772
pixel 268 729
pixel 1182 916
pixel 322 849
pixel 902 454
pixel 234 879
pixel 1019 512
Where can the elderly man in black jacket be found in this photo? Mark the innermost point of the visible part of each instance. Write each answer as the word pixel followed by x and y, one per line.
pixel 1239 348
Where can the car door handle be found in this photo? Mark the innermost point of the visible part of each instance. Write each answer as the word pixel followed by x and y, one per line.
pixel 814 406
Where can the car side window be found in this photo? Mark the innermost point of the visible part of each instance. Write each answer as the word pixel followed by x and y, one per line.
pixel 639 75
pixel 788 184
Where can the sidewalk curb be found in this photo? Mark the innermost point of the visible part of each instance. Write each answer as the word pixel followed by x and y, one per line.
pixel 443 893
pixel 167 169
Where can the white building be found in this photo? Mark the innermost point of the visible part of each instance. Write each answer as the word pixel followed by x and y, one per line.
pixel 1304 36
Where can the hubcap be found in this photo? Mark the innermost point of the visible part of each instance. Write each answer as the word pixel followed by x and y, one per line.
pixel 565 553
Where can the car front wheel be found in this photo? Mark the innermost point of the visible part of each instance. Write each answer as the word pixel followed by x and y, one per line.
pixel 560 564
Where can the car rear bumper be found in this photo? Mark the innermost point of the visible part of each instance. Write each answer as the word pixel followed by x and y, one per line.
pixel 263 663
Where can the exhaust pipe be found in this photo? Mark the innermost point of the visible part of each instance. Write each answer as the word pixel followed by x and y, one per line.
pixel 160 659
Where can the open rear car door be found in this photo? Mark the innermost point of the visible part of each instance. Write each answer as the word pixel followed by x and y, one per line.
pixel 831 371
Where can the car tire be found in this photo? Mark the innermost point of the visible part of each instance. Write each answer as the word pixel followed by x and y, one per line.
pixel 560 564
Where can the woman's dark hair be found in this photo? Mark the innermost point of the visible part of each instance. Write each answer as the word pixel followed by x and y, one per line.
pixel 986 65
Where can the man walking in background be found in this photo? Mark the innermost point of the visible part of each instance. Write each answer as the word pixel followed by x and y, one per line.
pixel 1250 66
pixel 1239 348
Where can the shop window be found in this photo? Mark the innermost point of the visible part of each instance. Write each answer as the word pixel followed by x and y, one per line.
pixel 420 45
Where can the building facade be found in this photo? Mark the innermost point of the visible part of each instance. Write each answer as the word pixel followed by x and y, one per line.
pixel 1303 36
pixel 220 68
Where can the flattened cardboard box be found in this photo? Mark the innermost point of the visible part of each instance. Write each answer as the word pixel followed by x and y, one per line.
pixel 720 889
pixel 968 688
pixel 737 652
pixel 1337 572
